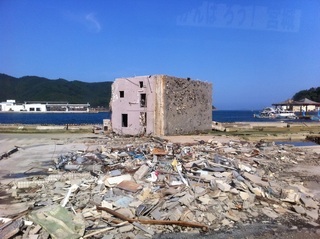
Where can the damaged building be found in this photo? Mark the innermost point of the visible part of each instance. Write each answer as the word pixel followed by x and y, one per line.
pixel 160 105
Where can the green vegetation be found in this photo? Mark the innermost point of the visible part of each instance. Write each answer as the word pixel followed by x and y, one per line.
pixel 311 94
pixel 34 88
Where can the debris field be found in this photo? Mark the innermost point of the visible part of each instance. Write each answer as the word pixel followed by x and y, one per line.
pixel 145 187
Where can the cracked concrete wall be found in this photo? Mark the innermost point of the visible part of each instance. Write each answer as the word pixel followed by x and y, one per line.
pixel 174 105
pixel 187 106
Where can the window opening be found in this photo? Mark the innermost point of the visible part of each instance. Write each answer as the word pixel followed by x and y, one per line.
pixel 124 120
pixel 143 118
pixel 141 84
pixel 143 100
pixel 121 93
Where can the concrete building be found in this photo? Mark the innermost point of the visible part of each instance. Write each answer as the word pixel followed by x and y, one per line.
pixel 303 105
pixel 160 105
pixel 12 106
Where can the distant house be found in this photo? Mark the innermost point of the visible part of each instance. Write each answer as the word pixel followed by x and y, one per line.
pixel 160 105
pixel 305 105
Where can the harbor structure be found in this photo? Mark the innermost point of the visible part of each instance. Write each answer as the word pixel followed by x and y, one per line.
pixel 160 105
pixel 39 106
pixel 303 105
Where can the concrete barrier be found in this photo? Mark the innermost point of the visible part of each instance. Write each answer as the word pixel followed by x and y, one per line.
pixel 52 127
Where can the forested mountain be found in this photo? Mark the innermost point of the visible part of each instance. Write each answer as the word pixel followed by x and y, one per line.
pixel 311 94
pixel 34 88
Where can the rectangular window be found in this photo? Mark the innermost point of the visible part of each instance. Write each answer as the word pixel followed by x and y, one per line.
pixel 143 118
pixel 141 84
pixel 143 100
pixel 38 109
pixel 124 119
pixel 121 93
pixel 31 109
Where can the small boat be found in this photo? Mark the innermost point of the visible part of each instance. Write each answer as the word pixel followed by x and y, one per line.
pixel 276 113
pixel 267 113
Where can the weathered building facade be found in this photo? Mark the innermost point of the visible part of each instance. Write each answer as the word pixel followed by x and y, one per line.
pixel 160 105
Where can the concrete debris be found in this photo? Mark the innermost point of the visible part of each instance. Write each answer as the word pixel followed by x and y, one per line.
pixel 313 213
pixel 269 212
pixel 147 186
pixel 290 195
pixel 10 228
pixel 299 209
pixel 309 202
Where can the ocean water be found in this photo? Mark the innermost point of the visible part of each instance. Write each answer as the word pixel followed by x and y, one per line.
pixel 97 118
pixel 297 143
pixel 53 118
pixel 236 116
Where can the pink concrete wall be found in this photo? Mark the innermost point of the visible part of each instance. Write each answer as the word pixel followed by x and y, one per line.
pixel 130 105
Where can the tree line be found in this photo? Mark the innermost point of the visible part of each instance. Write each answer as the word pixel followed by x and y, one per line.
pixel 34 88
pixel 311 94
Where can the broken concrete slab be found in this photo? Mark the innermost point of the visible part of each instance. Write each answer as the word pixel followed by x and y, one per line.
pixel 224 187
pixel 126 228
pixel 290 195
pixel 112 181
pixel 269 212
pixel 255 179
pixel 141 172
pixel 244 195
pixel 309 202
pixel 299 209
pixel 233 215
pixel 7 210
pixel 312 213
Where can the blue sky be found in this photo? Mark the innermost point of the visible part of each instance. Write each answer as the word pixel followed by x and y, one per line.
pixel 254 52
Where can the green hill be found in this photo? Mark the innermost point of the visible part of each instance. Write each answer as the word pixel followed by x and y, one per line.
pixel 34 88
pixel 311 94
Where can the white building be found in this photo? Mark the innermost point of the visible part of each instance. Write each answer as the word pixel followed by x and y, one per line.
pixel 12 106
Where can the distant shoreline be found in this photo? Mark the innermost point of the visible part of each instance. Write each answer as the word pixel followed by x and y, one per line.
pixel 51 112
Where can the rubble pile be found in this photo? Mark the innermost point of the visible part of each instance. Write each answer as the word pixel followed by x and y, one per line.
pixel 141 188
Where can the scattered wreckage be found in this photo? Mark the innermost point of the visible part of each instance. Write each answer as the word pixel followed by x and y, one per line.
pixel 144 187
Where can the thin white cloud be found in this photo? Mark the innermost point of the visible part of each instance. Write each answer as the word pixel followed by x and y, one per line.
pixel 88 20
pixel 92 22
